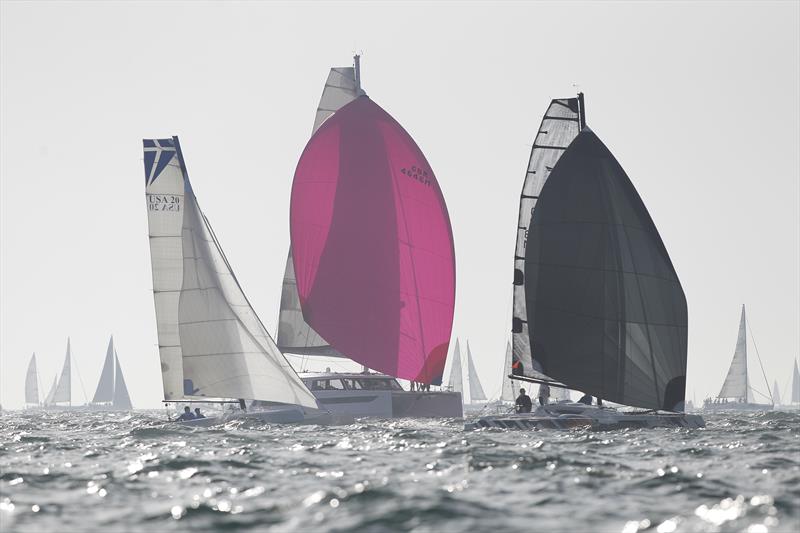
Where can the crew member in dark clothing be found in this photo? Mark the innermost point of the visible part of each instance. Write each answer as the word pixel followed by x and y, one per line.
pixel 187 415
pixel 586 399
pixel 198 414
pixel 523 403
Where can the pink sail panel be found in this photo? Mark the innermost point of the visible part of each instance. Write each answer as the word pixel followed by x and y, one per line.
pixel 372 244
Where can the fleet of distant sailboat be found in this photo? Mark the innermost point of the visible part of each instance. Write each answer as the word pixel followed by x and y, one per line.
pixel 370 280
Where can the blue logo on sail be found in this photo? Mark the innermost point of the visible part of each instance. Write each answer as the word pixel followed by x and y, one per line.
pixel 157 155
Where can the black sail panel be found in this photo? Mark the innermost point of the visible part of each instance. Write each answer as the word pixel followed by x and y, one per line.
pixel 602 295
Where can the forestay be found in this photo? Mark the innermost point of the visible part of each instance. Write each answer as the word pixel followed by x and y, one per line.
pixel 32 383
pixel 294 334
pixel 735 385
pixel 559 126
pixel 209 335
pixel 372 245
pixel 606 312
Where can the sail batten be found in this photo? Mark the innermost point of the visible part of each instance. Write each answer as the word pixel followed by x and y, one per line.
pixel 211 341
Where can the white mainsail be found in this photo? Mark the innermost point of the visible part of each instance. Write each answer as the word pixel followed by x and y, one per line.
pixel 105 387
pixel 454 382
pixel 795 384
pixel 121 399
pixel 212 344
pixel 32 383
pixel 507 394
pixel 476 393
pixel 63 392
pixel 294 334
pixel 735 385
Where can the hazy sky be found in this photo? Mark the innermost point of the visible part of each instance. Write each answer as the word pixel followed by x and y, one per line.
pixel 698 101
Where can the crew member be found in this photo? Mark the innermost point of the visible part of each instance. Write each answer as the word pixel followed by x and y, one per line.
pixel 544 394
pixel 187 415
pixel 198 414
pixel 523 403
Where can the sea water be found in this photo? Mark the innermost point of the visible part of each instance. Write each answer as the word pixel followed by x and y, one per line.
pixel 72 471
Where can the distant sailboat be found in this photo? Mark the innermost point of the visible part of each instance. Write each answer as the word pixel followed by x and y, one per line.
pixel 111 393
pixel 796 386
pixel 455 380
pixel 61 393
pixel 737 392
pixel 509 390
pixel 598 306
pixel 776 394
pixel 212 344
pixel 476 394
pixel 372 275
pixel 32 384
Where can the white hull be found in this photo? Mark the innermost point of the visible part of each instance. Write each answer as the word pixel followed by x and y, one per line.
pixel 568 415
pixel 391 404
pixel 288 414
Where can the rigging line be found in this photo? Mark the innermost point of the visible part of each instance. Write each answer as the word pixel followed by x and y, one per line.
pixel 762 394
pixel 766 381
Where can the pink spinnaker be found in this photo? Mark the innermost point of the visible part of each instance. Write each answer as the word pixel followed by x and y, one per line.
pixel 372 244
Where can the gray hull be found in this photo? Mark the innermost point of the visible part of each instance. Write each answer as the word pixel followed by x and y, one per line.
pixel 574 415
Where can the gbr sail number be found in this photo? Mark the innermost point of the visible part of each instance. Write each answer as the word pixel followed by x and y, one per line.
pixel 164 202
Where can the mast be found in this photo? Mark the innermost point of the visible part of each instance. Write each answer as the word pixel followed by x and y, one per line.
pixel 357 69
pixel 581 112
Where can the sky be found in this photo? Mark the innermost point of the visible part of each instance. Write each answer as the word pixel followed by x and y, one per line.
pixel 699 102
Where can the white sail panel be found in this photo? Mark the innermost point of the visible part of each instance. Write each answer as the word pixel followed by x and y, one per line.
pixel 476 393
pixel 105 387
pixel 507 394
pixel 121 398
pixel 164 200
pixel 559 126
pixel 795 384
pixel 455 382
pixel 294 334
pixel 226 351
pixel 63 391
pixel 735 385
pixel 32 383
pixel 50 395
pixel 776 394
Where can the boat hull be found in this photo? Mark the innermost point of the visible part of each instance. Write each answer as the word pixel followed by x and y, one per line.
pixel 573 415
pixel 273 415
pixel 391 403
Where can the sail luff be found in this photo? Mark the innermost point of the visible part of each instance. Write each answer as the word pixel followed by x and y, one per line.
pixel 476 393
pixel 736 382
pixel 105 387
pixel 32 383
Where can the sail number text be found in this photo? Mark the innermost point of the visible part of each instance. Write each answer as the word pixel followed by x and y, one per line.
pixel 164 202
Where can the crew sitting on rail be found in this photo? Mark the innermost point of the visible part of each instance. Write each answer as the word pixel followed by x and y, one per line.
pixel 187 415
pixel 198 414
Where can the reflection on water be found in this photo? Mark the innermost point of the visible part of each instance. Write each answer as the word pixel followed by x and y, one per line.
pixel 94 472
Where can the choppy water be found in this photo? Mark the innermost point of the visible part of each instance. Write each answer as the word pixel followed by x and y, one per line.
pixel 91 472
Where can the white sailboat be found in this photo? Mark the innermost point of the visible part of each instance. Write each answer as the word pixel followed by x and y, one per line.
pixel 60 396
pixel 213 346
pixel 32 385
pixel 476 394
pixel 112 392
pixel 737 393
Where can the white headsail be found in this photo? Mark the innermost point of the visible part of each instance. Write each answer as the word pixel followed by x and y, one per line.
pixel 50 395
pixel 776 394
pixel 294 334
pixel 455 380
pixel 795 384
pixel 476 393
pixel 121 398
pixel 32 383
pixel 212 344
pixel 735 385
pixel 507 394
pixel 105 387
pixel 63 392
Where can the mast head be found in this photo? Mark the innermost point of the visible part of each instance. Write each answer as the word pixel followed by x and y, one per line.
pixel 357 68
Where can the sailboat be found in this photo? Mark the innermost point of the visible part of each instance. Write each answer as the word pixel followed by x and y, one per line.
pixel 795 402
pixel 476 394
pixel 32 385
pixel 737 392
pixel 60 395
pixel 112 392
pixel 212 345
pixel 371 273
pixel 455 379
pixel 598 306
pixel 776 393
